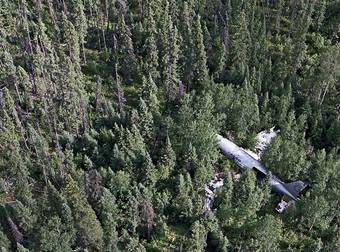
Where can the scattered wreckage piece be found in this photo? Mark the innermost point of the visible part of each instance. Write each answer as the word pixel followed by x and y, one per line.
pixel 264 139
pixel 210 192
pixel 283 205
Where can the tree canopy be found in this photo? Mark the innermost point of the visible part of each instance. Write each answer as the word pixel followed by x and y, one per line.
pixel 109 112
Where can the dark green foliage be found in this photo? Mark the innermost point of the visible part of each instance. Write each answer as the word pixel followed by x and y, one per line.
pixel 201 80
pixel 109 112
pixel 288 153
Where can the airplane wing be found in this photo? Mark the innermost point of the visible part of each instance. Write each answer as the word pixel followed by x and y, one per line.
pixel 260 174
pixel 263 140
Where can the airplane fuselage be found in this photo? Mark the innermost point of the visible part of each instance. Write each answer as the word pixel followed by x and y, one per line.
pixel 246 162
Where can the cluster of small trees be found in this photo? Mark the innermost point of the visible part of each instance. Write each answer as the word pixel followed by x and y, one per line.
pixel 108 116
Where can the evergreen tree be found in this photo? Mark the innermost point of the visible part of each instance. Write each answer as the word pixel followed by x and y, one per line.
pixel 80 23
pixel 70 36
pixel 225 200
pixel 60 207
pixel 170 54
pixel 197 240
pixel 54 237
pixel 201 79
pixel 109 112
pixel 187 44
pixel 119 183
pixel 247 198
pixel 168 159
pixel 288 155
pixel 145 124
pixel 10 151
pixel 135 146
pixel 315 214
pixel 268 233
pixel 183 202
pixel 108 216
pixel 149 174
pixel 150 47
pixel 219 59
pixel 240 41
pixel 124 51
pixel 89 230
pixel 5 243
pixel 149 95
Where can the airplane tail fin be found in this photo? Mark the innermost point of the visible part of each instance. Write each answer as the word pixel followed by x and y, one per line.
pixel 296 187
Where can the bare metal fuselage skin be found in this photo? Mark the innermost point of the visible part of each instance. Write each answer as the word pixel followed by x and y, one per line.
pixel 246 161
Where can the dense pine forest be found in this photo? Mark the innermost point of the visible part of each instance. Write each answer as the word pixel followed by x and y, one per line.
pixel 109 111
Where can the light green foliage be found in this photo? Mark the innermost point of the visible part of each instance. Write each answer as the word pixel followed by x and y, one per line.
pixel 149 173
pixel 54 236
pixel 71 38
pixel 196 240
pixel 267 233
pixel 315 214
pixel 145 123
pixel 183 202
pixel 108 217
pixel 5 243
pixel 79 17
pixel 200 128
pixel 247 198
pixel 168 160
pixel 186 18
pixel 135 146
pixel 149 95
pixel 287 156
pixel 88 227
pixel 120 183
pixel 21 248
pixel 7 67
pixel 225 200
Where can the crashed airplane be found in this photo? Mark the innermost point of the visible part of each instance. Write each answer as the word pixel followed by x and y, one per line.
pixel 248 160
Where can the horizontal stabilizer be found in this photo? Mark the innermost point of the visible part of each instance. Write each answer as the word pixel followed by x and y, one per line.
pixel 296 187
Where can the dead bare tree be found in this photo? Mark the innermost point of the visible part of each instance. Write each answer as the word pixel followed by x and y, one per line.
pixel 17 236
pixel 93 181
pixel 147 215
